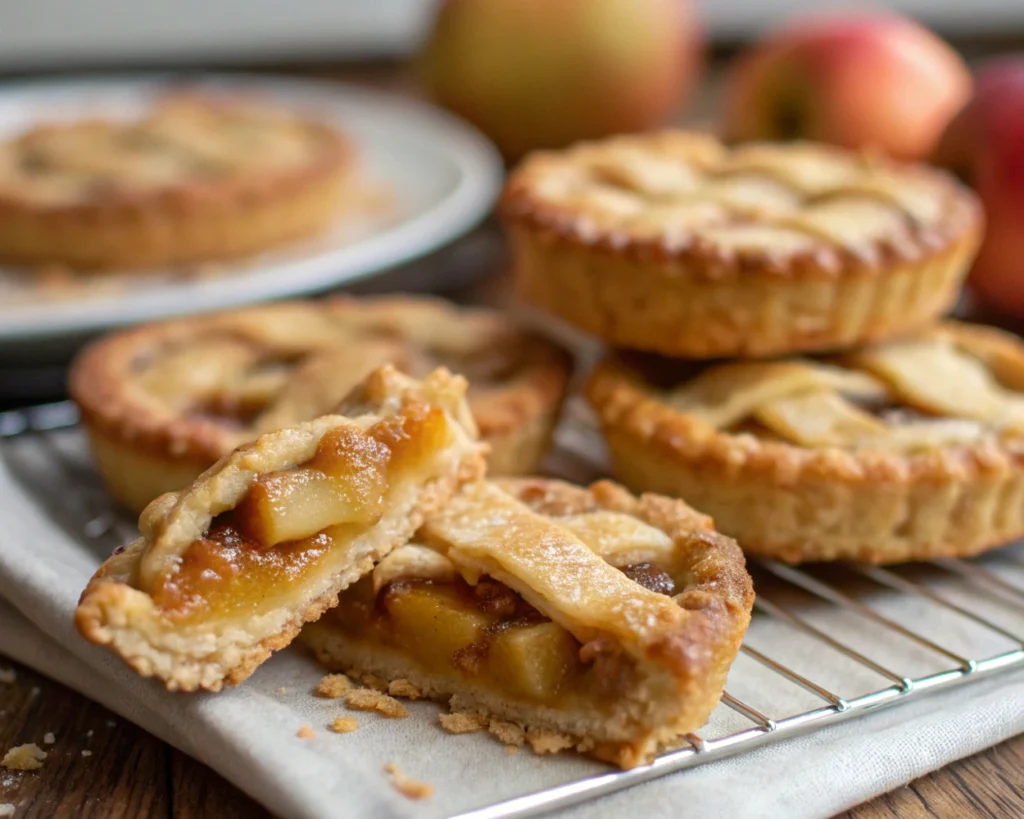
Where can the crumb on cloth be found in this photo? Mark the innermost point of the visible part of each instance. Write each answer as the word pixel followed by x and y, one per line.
pixel 334 686
pixel 305 732
pixel 507 732
pixel 368 699
pixel 461 723
pixel 410 788
pixel 344 725
pixel 28 757
pixel 405 688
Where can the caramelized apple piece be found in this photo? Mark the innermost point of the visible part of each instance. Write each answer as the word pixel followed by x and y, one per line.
pixel 433 622
pixel 285 506
pixel 534 660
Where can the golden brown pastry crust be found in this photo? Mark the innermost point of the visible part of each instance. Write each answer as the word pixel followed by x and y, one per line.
pixel 695 634
pixel 146 420
pixel 119 607
pixel 99 195
pixel 809 503
pixel 672 243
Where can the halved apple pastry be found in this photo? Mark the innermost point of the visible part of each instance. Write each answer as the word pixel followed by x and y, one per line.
pixel 585 617
pixel 228 570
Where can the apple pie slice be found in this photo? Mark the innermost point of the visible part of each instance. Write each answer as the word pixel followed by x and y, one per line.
pixel 582 617
pixel 228 570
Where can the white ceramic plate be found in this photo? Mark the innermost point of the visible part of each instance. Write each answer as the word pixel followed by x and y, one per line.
pixel 431 177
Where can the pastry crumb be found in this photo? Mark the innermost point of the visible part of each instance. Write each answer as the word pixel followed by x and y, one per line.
pixel 305 732
pixel 511 750
pixel 24 758
pixel 282 691
pixel 49 738
pixel 8 675
pixel 405 688
pixel 507 732
pixel 6 809
pixel 409 788
pixel 344 725
pixel 334 686
pixel 460 723
pixel 86 753
pixel 373 681
pixel 549 742
pixel 367 699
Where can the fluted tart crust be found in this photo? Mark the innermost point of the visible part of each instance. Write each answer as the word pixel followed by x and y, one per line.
pixel 162 402
pixel 228 570
pixel 908 450
pixel 675 244
pixel 586 618
pixel 197 178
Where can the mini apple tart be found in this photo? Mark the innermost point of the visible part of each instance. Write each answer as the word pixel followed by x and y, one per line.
pixel 162 402
pixel 586 618
pixel 229 569
pixel 675 244
pixel 908 450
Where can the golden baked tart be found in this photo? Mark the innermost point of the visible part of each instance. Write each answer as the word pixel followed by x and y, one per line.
pixel 229 569
pixel 574 617
pixel 197 178
pixel 164 401
pixel 675 244
pixel 907 450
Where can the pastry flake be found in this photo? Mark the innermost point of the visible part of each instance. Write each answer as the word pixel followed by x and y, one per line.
pixel 161 403
pixel 534 633
pixel 673 243
pixel 227 570
pixel 911 449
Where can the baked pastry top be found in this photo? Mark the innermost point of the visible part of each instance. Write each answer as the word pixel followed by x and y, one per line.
pixel 227 570
pixel 909 449
pixel 662 224
pixel 587 617
pixel 163 401
pixel 172 186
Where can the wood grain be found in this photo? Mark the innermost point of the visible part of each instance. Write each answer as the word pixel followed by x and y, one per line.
pixel 132 775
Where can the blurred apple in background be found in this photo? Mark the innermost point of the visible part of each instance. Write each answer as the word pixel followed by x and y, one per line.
pixel 868 79
pixel 985 145
pixel 545 73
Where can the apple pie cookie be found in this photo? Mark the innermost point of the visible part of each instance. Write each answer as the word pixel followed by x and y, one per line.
pixel 162 402
pixel 578 617
pixel 674 244
pixel 907 450
pixel 228 570
pixel 197 178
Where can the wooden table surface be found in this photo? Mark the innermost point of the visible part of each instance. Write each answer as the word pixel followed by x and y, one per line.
pixel 132 775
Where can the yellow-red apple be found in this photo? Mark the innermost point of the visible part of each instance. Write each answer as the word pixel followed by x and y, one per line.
pixel 870 80
pixel 544 73
pixel 985 144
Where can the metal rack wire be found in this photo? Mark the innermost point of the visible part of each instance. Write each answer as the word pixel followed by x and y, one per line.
pixel 984 596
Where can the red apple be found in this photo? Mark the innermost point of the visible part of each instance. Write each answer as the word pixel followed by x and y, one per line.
pixel 545 73
pixel 871 80
pixel 985 144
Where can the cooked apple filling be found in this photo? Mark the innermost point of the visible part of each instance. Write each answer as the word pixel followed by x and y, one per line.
pixel 289 519
pixel 435 607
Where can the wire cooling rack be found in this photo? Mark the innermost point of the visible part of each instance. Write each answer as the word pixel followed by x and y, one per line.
pixel 827 643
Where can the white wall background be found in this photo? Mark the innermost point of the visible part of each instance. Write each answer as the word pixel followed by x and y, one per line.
pixel 38 33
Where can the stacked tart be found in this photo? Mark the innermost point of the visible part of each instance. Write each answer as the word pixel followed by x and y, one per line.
pixel 580 617
pixel 850 423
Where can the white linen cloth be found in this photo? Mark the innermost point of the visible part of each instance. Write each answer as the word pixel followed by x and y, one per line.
pixel 248 734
